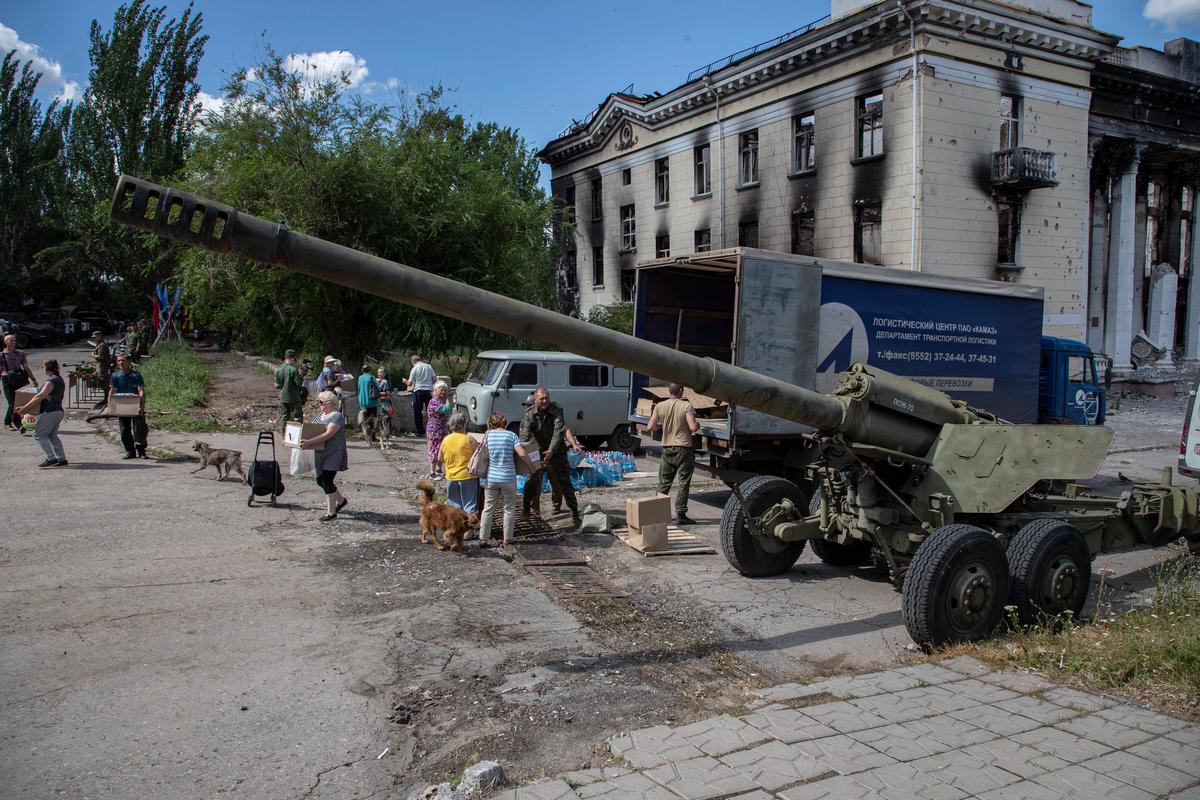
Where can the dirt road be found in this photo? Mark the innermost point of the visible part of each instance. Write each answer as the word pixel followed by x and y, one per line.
pixel 162 640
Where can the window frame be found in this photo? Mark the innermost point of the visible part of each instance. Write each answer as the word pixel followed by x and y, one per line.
pixel 1011 241
pixel 804 213
pixel 744 229
pixel 862 210
pixel 702 247
pixel 865 114
pixel 662 181
pixel 748 158
pixel 597 199
pixel 627 176
pixel 1010 124
pixel 508 378
pixel 599 370
pixel 569 205
pixel 702 162
pixel 628 285
pixel 571 267
pixel 628 228
pixel 598 267
pixel 662 246
pixel 804 143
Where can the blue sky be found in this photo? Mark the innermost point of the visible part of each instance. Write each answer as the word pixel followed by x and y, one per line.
pixel 534 66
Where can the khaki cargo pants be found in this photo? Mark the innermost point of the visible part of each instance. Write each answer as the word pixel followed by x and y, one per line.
pixel 678 463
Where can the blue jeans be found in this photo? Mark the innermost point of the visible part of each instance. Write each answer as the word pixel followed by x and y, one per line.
pixel 464 494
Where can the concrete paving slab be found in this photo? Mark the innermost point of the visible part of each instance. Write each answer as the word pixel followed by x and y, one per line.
pixel 1021 682
pixel 1019 759
pixel 839 787
pixel 1073 698
pixel 1076 782
pixel 1062 744
pixel 651 747
pixel 1104 730
pixel 967 665
pixel 701 778
pixel 1037 709
pixel 900 742
pixel 584 777
pixel 979 691
pixel 720 735
pixel 776 765
pixel 996 720
pixel 1139 772
pixel 631 785
pixel 1170 753
pixel 844 717
pixel 949 731
pixel 844 755
pixel 551 789
pixel 906 782
pixel 1189 735
pixel 964 772
pixel 1022 790
pixel 1143 719
pixel 788 725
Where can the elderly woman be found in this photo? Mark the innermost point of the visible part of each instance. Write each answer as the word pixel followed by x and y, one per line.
pixel 15 373
pixel 462 488
pixel 48 405
pixel 331 459
pixel 503 449
pixel 436 414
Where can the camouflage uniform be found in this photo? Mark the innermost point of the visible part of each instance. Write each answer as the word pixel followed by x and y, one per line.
pixel 546 429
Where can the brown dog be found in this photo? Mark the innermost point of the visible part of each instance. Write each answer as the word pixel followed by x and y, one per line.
pixel 225 461
pixel 453 522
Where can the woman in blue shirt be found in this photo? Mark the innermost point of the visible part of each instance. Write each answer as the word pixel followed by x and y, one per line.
pixel 49 410
pixel 503 447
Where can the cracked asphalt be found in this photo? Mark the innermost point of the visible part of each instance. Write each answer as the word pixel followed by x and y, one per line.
pixel 160 639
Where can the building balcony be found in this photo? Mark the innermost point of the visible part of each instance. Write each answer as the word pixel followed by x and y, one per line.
pixel 1024 168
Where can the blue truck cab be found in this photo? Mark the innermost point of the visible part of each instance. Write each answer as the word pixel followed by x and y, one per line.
pixel 1069 386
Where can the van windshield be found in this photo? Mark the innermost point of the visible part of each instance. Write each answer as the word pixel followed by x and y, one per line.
pixel 484 371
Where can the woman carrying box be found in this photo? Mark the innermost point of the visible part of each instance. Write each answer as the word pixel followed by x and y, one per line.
pixel 47 404
pixel 331 459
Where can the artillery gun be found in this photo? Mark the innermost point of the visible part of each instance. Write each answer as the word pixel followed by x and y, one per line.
pixel 970 513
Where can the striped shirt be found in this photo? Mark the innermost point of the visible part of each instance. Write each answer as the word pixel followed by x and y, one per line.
pixel 502 466
pixel 333 455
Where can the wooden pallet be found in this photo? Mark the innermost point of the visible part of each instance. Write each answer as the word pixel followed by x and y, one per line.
pixel 679 543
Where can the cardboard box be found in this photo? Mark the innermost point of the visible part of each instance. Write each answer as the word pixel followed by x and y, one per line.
pixel 349 385
pixel 645 511
pixel 295 432
pixel 535 458
pixel 23 396
pixel 125 405
pixel 649 537
pixel 644 407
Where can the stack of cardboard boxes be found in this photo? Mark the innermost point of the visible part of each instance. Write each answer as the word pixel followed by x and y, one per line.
pixel 647 518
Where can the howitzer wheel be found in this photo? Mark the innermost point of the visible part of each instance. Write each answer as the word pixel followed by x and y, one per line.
pixel 1050 567
pixel 759 556
pixel 956 587
pixel 851 554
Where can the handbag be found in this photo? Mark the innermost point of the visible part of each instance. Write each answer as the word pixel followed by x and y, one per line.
pixel 16 378
pixel 478 465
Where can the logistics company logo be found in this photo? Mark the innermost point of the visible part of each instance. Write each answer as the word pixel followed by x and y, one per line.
pixel 1089 402
pixel 841 341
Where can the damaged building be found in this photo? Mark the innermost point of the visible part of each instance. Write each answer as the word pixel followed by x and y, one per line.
pixel 1010 141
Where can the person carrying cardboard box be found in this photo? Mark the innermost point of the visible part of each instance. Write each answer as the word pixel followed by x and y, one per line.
pixel 544 424
pixel 678 421
pixel 128 381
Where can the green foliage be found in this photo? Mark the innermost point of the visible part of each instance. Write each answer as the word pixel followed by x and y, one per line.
pixel 32 173
pixel 176 380
pixel 137 116
pixel 615 318
pixel 417 184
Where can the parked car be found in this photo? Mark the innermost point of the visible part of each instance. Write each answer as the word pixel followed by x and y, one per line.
pixel 66 327
pixel 29 333
pixel 97 321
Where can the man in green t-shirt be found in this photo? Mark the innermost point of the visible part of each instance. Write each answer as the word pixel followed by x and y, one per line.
pixel 289 383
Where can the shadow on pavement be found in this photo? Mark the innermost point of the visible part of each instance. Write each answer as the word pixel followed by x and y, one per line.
pixel 118 466
pixel 822 633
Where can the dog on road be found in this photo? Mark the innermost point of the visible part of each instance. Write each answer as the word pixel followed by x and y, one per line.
pixel 378 429
pixel 225 461
pixel 453 522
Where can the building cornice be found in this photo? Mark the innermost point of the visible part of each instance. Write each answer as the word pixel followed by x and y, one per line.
pixel 1018 31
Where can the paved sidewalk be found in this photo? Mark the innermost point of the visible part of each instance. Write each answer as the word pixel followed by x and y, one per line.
pixel 935 731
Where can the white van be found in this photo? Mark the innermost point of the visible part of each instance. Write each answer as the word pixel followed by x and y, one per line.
pixel 1189 444
pixel 594 396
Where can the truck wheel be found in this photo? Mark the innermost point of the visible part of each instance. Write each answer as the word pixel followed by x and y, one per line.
pixel 956 587
pixel 23 341
pixel 759 556
pixel 622 439
pixel 1051 568
pixel 851 554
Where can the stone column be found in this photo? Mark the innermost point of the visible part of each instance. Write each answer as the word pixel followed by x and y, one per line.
pixel 1191 336
pixel 1122 260
pixel 1096 242
pixel 1160 321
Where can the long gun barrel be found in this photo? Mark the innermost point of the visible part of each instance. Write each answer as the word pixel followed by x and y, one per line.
pixel 194 220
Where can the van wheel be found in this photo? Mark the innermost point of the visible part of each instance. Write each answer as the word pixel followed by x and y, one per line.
pixel 622 439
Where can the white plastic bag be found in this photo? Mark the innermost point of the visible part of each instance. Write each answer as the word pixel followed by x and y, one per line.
pixel 303 462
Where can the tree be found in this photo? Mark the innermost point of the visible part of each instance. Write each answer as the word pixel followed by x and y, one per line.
pixel 32 173
pixel 138 116
pixel 418 184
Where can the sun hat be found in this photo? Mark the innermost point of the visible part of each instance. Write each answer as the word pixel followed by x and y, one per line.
pixel 329 360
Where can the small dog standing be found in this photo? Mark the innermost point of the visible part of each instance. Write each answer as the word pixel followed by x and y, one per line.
pixel 378 429
pixel 453 522
pixel 225 461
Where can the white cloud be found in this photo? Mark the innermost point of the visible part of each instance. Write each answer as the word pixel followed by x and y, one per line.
pixel 390 85
pixel 1172 12
pixel 52 73
pixel 210 104
pixel 316 68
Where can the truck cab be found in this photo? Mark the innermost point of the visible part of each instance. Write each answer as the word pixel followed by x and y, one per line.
pixel 1070 388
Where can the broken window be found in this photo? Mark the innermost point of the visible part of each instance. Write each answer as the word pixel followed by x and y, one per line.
pixel 748 163
pixel 597 267
pixel 570 267
pixel 1008 227
pixel 704 169
pixel 662 246
pixel 597 198
pixel 662 188
pixel 703 240
pixel 748 233
pixel 804 143
pixel 628 285
pixel 868 233
pixel 804 232
pixel 1153 226
pixel 628 226
pixel 626 176
pixel 1010 129
pixel 569 205
pixel 870 125
pixel 1185 232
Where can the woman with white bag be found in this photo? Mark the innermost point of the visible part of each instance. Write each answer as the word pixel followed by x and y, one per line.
pixel 331 459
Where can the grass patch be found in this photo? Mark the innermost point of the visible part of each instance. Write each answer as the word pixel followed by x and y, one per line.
pixel 176 387
pixel 1152 654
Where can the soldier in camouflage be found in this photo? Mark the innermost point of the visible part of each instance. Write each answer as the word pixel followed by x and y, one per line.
pixel 544 425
